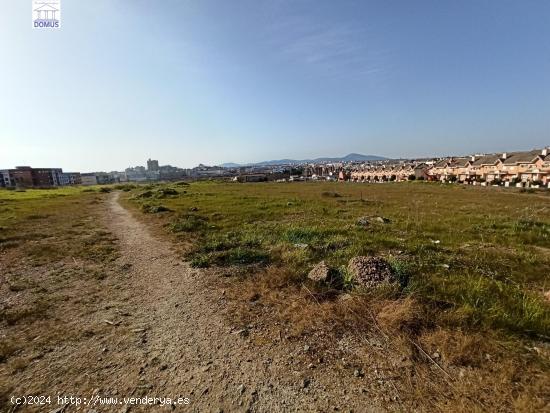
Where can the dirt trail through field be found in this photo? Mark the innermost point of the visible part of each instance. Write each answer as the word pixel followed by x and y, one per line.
pixel 187 349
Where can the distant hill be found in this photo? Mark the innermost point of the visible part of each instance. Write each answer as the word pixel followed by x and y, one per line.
pixel 229 165
pixel 352 157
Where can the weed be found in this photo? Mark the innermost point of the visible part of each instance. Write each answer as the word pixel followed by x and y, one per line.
pixel 154 209
pixel 188 223
pixel 331 194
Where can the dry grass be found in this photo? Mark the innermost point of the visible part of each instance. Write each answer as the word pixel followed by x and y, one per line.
pixel 433 368
pixel 55 259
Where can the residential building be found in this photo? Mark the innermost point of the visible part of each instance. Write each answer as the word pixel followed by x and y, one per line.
pixel 88 179
pixel 152 165
pixel 529 168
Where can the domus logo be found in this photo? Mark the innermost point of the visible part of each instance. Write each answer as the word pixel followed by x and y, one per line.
pixel 46 14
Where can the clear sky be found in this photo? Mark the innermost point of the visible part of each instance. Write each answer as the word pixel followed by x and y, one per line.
pixel 208 81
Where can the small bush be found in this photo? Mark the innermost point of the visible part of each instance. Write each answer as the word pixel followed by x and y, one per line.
pixel 145 194
pixel 200 261
pixel 105 189
pixel 125 187
pixel 154 209
pixel 165 192
pixel 346 278
pixel 331 194
pixel 188 223
pixel 401 270
pixel 242 256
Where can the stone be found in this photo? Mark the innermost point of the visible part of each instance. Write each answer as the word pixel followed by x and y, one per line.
pixel 366 220
pixel 319 273
pixel 370 271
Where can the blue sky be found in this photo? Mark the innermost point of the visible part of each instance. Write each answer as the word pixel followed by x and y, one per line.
pixel 249 80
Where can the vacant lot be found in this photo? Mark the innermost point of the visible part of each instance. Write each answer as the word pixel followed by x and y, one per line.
pixel 97 302
pixel 481 254
pixel 473 264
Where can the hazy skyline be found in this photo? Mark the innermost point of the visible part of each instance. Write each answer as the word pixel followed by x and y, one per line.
pixel 189 82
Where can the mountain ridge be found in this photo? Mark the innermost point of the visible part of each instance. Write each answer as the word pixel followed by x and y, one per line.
pixel 348 158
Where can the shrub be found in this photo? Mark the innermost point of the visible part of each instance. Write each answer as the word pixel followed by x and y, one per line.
pixel 401 270
pixel 234 256
pixel 242 256
pixel 200 261
pixel 125 187
pixel 164 192
pixel 154 209
pixel 188 223
pixel 145 194
pixel 331 194
pixel 346 278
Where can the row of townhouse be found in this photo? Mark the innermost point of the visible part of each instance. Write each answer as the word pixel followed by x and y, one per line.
pixel 27 177
pixel 389 172
pixel 518 168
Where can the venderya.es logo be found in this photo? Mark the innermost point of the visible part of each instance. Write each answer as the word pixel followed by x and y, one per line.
pixel 46 14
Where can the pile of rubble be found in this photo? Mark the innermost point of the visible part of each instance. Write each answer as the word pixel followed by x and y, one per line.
pixel 366 272
pixel 370 271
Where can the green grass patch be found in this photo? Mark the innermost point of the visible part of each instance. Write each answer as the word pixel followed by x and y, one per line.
pixel 441 240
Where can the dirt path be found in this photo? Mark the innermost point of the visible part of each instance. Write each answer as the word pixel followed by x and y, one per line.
pixel 186 349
